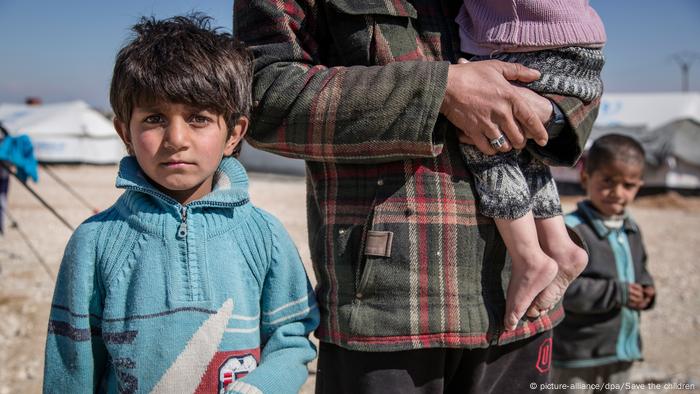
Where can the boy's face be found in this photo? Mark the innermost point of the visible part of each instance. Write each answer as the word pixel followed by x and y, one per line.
pixel 612 186
pixel 179 147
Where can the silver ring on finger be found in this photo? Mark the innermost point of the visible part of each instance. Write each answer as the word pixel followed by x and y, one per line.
pixel 498 142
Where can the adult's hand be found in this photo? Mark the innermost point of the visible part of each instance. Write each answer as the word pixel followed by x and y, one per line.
pixel 540 105
pixel 482 103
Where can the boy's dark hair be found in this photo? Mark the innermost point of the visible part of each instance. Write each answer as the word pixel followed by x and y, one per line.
pixel 613 147
pixel 183 60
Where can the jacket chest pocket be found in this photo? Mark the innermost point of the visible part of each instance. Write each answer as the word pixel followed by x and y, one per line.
pixel 373 32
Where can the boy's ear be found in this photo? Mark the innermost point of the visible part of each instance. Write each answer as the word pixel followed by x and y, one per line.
pixel 123 132
pixel 237 133
pixel 584 178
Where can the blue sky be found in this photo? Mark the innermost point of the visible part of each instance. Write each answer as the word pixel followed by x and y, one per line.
pixel 64 50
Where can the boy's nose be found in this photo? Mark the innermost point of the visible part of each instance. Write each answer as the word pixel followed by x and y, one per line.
pixel 176 134
pixel 618 189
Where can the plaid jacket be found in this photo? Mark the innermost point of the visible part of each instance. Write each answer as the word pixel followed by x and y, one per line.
pixel 402 258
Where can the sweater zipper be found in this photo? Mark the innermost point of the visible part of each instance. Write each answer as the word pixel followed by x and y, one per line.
pixel 182 230
pixel 189 280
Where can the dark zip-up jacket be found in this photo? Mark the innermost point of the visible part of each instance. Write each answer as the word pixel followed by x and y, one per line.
pixel 598 327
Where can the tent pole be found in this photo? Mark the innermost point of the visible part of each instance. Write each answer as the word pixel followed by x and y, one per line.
pixel 38 197
pixel 58 179
pixel 66 186
pixel 24 236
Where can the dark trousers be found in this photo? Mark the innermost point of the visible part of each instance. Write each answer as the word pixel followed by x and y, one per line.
pixel 513 368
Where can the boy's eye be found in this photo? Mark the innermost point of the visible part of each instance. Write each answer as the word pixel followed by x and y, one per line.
pixel 153 119
pixel 200 120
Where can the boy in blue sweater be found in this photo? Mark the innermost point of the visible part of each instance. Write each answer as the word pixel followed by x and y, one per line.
pixel 182 286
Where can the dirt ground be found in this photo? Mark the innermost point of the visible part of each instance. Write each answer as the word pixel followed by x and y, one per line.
pixel 32 246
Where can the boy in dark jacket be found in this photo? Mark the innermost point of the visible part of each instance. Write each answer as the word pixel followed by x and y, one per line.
pixel 599 337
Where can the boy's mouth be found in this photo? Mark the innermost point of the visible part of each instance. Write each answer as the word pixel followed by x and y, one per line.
pixel 614 202
pixel 176 164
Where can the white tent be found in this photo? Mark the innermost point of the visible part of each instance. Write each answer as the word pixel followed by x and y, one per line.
pixel 65 132
pixel 647 110
pixel 666 124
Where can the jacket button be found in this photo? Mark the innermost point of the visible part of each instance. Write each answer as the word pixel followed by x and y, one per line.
pixel 380 182
pixel 358 295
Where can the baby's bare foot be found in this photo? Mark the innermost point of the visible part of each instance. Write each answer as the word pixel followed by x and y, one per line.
pixel 532 272
pixel 571 261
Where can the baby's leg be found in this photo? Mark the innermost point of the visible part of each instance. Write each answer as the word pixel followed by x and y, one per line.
pixel 532 270
pixel 571 261
pixel 551 232
pixel 504 195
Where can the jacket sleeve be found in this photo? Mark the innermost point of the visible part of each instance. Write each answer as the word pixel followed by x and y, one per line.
pixel 307 110
pixel 645 278
pixel 289 314
pixel 75 356
pixel 587 295
pixel 566 148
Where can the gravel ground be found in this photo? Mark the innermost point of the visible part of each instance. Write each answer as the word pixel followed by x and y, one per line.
pixel 30 253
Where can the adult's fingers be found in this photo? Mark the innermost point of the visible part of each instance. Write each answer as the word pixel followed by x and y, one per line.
pixel 482 144
pixel 483 141
pixel 518 72
pixel 529 121
pixel 479 141
pixel 465 139
pixel 533 312
pixel 513 133
pixel 494 133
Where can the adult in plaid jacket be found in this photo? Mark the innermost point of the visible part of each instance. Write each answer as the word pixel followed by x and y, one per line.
pixel 404 261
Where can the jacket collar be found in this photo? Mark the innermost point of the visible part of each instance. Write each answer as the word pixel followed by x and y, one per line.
pixel 230 184
pixel 592 216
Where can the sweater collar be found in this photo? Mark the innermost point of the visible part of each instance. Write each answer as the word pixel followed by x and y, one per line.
pixel 597 220
pixel 230 184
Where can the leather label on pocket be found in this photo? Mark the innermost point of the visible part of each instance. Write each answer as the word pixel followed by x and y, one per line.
pixel 379 243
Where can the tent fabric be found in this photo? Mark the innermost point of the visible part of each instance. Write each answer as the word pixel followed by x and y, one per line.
pixel 668 127
pixel 647 110
pixel 74 118
pixel 666 124
pixel 65 132
pixel 679 139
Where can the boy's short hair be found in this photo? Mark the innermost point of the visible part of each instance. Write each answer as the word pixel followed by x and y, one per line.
pixel 183 60
pixel 614 147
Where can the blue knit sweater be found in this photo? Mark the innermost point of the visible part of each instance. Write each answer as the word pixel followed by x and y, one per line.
pixel 154 296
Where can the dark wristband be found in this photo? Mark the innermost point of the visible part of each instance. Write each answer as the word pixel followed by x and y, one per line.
pixel 556 122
